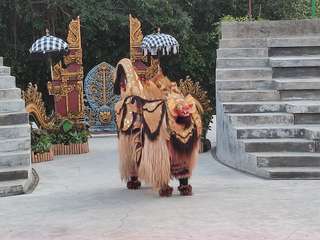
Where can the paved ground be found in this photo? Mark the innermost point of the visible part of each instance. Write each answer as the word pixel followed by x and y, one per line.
pixel 81 197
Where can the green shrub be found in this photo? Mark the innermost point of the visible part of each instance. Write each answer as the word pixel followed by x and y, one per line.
pixel 68 133
pixel 40 141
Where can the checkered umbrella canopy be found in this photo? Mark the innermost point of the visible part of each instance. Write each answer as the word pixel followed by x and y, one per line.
pixel 159 43
pixel 49 44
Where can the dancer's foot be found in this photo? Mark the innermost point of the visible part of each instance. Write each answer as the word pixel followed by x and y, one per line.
pixel 185 190
pixel 133 183
pixel 166 191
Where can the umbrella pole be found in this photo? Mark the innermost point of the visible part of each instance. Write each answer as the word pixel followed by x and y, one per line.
pixel 51 70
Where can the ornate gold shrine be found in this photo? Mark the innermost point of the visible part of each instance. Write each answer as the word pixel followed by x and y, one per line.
pixel 67 81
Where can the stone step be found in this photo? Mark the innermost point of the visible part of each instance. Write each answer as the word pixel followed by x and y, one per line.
pixel 294 172
pixel 12 145
pixel 248 95
pixel 1 61
pixel 15 159
pixel 242 53
pixel 244 73
pixel 244 84
pixel 254 107
pixel 13 187
pixel 306 118
pixel 295 61
pixel 287 159
pixel 300 95
pixel 303 41
pixel 312 131
pixel 296 84
pixel 243 43
pixel 9 174
pixel 296 72
pixel 278 145
pixel 7 82
pixel 270 131
pixel 14 118
pixel 270 29
pixel 304 106
pixel 10 93
pixel 14 131
pixel 242 62
pixel 4 71
pixel 294 51
pixel 16 105
pixel 260 118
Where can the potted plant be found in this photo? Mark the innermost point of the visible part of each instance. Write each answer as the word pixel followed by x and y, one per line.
pixel 68 138
pixel 41 146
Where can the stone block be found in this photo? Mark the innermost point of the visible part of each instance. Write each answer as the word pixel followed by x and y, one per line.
pixel 277 147
pixel 14 118
pixel 253 107
pixel 14 131
pixel 244 84
pixel 242 53
pixel 7 82
pixel 4 71
pixel 12 145
pixel 248 95
pixel 15 159
pixel 242 62
pixel 244 73
pixel 14 105
pixel 250 119
pixel 270 131
pixel 270 29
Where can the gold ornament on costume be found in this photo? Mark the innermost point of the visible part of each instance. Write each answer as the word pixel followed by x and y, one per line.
pixel 187 86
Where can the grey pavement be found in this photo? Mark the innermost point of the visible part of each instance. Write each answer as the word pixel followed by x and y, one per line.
pixel 81 197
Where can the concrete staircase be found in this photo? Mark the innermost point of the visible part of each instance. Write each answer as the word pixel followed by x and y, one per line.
pixel 268 98
pixel 15 166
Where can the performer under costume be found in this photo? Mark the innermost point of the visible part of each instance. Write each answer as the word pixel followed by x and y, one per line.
pixel 159 130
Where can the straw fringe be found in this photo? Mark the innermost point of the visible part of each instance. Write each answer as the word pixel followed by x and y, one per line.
pixel 127 163
pixel 155 161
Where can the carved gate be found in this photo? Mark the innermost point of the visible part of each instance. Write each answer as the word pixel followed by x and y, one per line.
pixel 100 100
pixel 66 85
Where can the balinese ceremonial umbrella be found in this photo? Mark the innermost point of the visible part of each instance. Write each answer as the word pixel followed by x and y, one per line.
pixel 159 43
pixel 49 46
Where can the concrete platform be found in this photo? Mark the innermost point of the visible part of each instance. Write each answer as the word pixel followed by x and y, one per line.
pixel 81 197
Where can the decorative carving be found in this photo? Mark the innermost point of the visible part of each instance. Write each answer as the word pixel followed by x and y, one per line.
pixel 35 107
pixel 74 36
pixel 57 69
pixel 74 58
pixel 105 117
pixel 66 85
pixel 60 90
pixel 100 100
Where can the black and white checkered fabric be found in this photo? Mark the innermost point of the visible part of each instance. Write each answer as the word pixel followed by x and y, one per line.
pixel 48 44
pixel 159 43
